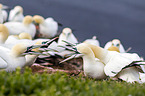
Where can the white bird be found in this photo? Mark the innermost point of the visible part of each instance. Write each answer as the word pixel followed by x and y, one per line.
pixel 132 56
pixel 116 63
pixel 115 42
pixel 92 41
pixel 68 36
pixel 47 27
pixel 92 67
pixel 26 26
pixel 16 14
pixel 3 12
pixel 22 37
pixel 13 57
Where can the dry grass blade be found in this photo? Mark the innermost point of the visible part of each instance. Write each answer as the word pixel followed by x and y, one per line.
pixel 128 49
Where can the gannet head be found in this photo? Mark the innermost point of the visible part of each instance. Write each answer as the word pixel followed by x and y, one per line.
pixel 92 41
pixel 18 49
pixel 25 36
pixel 1 6
pixel 66 32
pixel 27 20
pixel 83 48
pixel 94 37
pixel 18 9
pixel 99 52
pixel 113 48
pixel 49 19
pixel 65 35
pixel 38 19
pixel 116 42
pixel 4 33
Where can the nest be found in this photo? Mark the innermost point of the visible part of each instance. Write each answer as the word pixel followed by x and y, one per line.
pixel 52 64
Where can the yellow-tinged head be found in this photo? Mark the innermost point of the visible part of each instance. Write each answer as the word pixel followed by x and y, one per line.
pixel 25 36
pixel 83 48
pixel 66 32
pixel 3 28
pixel 18 49
pixel 27 20
pixel 19 9
pixel 113 48
pixel 1 6
pixel 116 42
pixel 38 19
pixel 99 52
pixel 4 33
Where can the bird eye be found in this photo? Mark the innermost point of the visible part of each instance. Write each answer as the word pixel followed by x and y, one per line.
pixel 68 33
pixel 117 44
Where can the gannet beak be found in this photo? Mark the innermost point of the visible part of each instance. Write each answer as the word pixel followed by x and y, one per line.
pixel 35 23
pixel 5 7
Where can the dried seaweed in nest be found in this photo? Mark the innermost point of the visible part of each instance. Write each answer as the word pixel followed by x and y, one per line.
pixel 54 62
pixel 36 68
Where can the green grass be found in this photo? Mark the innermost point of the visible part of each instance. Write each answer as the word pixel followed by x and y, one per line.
pixel 60 84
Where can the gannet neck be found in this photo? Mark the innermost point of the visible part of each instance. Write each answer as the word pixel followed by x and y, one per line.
pixel 3 33
pixel 18 49
pixel 113 48
pixel 27 20
pixel 88 55
pixel 25 36
pixel 91 67
pixel 99 52
pixel 84 49
pixel 38 19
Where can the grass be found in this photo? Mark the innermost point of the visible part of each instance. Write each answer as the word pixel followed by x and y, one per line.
pixel 60 84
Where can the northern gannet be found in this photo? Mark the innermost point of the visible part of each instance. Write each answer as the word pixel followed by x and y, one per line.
pixel 16 14
pixel 26 26
pixel 116 43
pixel 47 27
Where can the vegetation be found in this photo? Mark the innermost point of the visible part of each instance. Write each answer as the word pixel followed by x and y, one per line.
pixel 61 84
